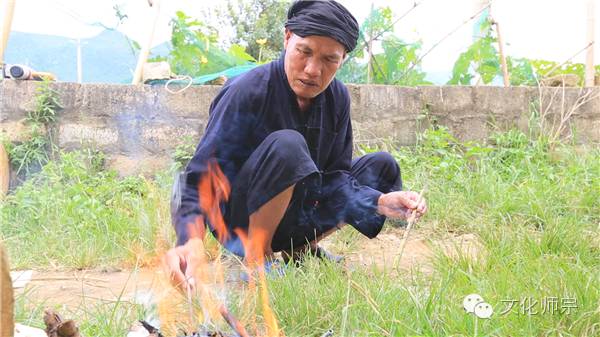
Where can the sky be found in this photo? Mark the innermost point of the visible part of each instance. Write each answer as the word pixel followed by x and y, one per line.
pixel 546 29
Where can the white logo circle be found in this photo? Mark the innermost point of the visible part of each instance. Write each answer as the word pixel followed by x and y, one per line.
pixel 471 301
pixel 484 310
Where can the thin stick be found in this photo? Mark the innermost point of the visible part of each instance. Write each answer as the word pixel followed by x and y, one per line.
pixel 345 310
pixel 411 221
pixel 190 305
pixel 233 322
pixel 367 297
pixel 66 278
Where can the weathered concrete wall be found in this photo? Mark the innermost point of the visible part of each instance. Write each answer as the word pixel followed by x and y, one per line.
pixel 138 126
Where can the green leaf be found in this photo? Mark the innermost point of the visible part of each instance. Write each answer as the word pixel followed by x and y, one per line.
pixel 239 52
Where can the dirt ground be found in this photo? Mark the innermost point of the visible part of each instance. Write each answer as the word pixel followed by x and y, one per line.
pixel 73 289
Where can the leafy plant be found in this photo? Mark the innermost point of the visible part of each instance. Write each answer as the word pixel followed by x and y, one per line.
pixel 521 71
pixel 32 151
pixel 195 51
pixel 525 71
pixel 545 68
pixel 184 152
pixel 397 64
pixel 481 58
pixel 46 104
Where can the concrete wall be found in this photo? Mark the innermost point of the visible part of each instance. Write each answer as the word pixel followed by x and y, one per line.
pixel 138 126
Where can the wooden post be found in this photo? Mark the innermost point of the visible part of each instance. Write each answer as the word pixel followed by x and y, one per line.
pixel 502 56
pixel 9 10
pixel 4 172
pixel 500 47
pixel 589 59
pixel 7 323
pixel 137 75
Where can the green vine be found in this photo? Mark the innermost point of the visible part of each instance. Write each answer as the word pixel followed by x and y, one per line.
pixel 482 58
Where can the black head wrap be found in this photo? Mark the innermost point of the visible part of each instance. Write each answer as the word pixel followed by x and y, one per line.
pixel 325 18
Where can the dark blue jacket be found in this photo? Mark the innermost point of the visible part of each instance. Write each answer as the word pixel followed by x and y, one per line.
pixel 259 102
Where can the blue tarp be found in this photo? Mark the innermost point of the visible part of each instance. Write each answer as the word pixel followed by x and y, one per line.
pixel 228 73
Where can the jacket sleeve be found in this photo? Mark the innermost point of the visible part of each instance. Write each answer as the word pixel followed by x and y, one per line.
pixel 230 121
pixel 354 203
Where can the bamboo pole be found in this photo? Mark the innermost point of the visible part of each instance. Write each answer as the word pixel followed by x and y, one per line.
pixel 589 59
pixel 137 75
pixel 9 10
pixel 502 55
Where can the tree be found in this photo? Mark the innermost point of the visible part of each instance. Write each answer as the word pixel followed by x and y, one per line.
pixel 255 20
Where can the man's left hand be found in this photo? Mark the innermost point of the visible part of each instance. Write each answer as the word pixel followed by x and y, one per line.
pixel 401 204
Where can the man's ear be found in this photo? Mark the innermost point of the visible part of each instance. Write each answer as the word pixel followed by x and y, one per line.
pixel 286 37
pixel 344 58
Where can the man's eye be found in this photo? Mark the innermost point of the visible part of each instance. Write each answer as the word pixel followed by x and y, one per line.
pixel 305 52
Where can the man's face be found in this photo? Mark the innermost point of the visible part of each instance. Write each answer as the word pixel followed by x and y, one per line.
pixel 311 63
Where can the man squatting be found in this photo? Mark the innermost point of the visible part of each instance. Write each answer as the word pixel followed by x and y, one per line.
pixel 282 135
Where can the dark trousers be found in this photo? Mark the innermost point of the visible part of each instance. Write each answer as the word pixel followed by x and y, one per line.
pixel 282 160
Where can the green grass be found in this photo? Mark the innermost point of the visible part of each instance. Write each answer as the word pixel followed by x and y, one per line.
pixel 74 214
pixel 534 206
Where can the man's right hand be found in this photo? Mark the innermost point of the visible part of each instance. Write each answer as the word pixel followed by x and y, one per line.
pixel 182 263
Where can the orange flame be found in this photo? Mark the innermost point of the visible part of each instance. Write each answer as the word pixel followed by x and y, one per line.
pixel 255 256
pixel 212 190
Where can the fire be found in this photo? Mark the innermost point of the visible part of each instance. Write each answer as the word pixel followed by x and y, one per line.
pixel 212 190
pixel 255 264
pixel 204 304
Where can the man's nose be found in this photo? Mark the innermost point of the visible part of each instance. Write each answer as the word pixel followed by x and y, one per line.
pixel 313 68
